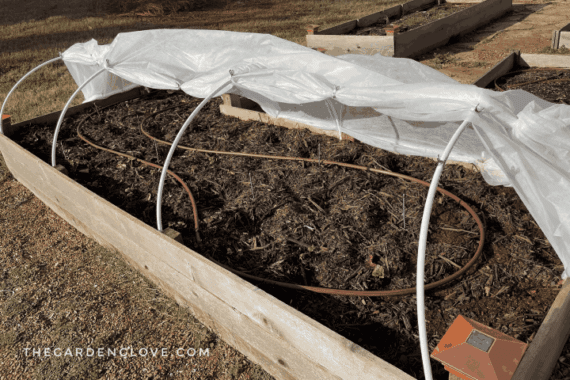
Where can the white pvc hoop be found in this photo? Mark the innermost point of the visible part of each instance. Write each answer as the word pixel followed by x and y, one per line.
pixel 171 153
pixel 420 291
pixel 18 83
pixel 62 115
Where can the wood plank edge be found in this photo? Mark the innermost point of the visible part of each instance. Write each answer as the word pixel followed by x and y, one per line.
pixel 543 352
pixel 545 60
pixel 340 344
pixel 437 33
pixel 54 116
pixel 500 69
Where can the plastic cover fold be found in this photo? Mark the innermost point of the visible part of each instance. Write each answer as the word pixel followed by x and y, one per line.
pixel 395 104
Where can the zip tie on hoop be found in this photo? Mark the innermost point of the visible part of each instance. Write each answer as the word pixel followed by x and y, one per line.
pixel 477 110
pixel 335 89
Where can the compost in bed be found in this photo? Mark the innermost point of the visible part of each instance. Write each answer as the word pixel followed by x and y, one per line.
pixel 551 84
pixel 315 223
pixel 412 20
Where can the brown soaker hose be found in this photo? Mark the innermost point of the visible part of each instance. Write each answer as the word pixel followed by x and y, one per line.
pixel 367 293
pixel 194 208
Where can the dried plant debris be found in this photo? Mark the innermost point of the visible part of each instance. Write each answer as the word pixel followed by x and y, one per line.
pixel 321 225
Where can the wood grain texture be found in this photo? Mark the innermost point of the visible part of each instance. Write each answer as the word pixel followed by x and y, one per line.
pixel 53 117
pixel 543 352
pixel 285 342
pixel 497 71
pixel 546 60
pixel 339 29
pixel 416 5
pixel 391 12
pixel 438 33
pixel 563 40
pixel 338 45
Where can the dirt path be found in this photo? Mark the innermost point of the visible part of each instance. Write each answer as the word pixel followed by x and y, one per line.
pixel 528 28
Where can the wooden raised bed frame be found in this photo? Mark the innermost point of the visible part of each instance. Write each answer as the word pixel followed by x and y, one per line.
pixel 561 38
pixel 285 342
pixel 540 358
pixel 542 354
pixel 408 44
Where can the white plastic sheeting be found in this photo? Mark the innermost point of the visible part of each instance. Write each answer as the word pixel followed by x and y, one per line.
pixel 395 104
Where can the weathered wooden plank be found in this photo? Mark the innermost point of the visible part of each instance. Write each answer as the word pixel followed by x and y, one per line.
pixel 543 352
pixel 438 33
pixel 392 12
pixel 564 40
pixel 339 29
pixel 555 39
pixel 498 70
pixel 546 60
pixel 288 344
pixel 416 5
pixel 245 114
pixel 565 28
pixel 338 45
pixel 54 116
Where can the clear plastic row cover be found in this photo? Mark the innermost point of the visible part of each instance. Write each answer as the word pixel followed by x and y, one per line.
pixel 396 104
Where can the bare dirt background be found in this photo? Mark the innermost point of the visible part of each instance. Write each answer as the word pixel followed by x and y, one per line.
pixel 58 287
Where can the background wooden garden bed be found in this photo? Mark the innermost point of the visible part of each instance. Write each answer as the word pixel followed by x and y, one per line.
pixel 285 342
pixel 408 44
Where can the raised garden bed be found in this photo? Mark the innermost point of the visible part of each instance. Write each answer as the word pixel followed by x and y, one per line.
pixel 410 21
pixel 544 75
pixel 293 222
pixel 561 38
pixel 349 37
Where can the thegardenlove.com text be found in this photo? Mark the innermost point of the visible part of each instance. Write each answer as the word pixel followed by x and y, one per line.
pixel 125 352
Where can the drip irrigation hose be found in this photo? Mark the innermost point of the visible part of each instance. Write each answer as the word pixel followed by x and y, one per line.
pixel 19 82
pixel 367 293
pixel 546 80
pixel 62 115
pixel 173 148
pixel 322 290
pixel 194 208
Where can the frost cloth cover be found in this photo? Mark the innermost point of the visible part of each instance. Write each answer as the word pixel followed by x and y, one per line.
pixel 396 104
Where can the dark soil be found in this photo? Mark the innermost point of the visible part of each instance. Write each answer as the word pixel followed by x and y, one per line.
pixel 549 84
pixel 412 20
pixel 320 225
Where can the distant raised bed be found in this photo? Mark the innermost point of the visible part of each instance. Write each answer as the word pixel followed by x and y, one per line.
pixel 561 38
pixel 530 72
pixel 411 37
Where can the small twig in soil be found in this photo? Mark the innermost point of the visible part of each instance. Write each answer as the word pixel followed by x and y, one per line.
pixel 304 275
pixel 156 150
pixel 458 230
pixel 63 150
pixel 251 184
pixel 502 290
pixel 259 248
pixel 311 248
pixel 404 210
pixel 449 261
pixel 316 205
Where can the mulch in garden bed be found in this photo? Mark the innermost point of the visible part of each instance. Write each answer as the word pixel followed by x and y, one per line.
pixel 412 20
pixel 320 225
pixel 550 84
